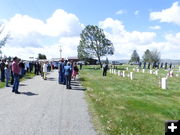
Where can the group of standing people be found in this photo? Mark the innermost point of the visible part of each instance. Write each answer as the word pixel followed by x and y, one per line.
pixel 154 65
pixel 67 70
pixel 6 68
pixel 13 70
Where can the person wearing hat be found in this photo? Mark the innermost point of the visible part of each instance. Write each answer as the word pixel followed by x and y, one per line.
pixel 7 73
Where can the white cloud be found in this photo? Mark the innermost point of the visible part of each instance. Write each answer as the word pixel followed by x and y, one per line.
pixel 170 15
pixel 69 45
pixel 126 41
pixel 118 33
pixel 155 27
pixel 120 12
pixel 173 38
pixel 30 36
pixel 136 12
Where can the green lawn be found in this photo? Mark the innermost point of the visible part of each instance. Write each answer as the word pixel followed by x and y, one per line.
pixel 27 76
pixel 121 106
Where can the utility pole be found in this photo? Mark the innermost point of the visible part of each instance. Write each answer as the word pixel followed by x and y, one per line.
pixel 60 51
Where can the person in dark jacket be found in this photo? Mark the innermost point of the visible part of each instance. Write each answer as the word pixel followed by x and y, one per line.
pixel 105 68
pixel 2 71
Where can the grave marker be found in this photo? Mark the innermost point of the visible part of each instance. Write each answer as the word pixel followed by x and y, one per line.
pixel 131 75
pixel 119 73
pixel 164 83
pixel 138 70
pixel 143 70
pixel 156 72
pixel 151 71
pixel 124 74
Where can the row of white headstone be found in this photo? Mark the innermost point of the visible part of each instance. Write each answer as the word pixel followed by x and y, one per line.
pixel 169 74
pixel 143 71
pixel 123 74
pixel 131 76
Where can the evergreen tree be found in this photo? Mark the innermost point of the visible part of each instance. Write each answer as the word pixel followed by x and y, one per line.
pixel 135 57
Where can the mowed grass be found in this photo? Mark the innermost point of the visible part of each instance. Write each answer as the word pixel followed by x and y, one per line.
pixel 27 76
pixel 131 107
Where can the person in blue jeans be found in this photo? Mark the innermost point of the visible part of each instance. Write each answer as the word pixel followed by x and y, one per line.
pixel 7 73
pixel 16 72
pixel 61 79
pixel 68 74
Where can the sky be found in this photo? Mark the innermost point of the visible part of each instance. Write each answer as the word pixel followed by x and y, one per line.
pixel 41 26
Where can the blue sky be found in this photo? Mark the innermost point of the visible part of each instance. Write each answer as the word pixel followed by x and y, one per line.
pixel 132 17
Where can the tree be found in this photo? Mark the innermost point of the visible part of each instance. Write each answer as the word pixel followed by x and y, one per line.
pixel 151 56
pixel 147 56
pixel 135 57
pixel 155 56
pixel 3 39
pixel 107 61
pixel 93 43
pixel 41 56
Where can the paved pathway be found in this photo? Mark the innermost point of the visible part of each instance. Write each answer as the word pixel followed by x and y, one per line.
pixel 44 108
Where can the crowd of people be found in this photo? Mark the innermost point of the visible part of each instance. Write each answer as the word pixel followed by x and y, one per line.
pixel 13 70
pixel 67 70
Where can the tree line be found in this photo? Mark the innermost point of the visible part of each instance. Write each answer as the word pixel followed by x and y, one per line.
pixel 149 56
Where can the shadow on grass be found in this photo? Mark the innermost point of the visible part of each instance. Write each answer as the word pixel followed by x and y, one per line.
pixel 29 94
pixel 77 86
pixel 81 79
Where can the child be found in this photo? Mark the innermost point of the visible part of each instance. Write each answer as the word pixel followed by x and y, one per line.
pixel 75 71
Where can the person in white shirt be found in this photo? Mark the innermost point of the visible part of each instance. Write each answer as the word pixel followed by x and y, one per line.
pixel 45 70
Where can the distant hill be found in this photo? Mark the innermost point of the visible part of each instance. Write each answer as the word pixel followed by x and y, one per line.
pixel 163 60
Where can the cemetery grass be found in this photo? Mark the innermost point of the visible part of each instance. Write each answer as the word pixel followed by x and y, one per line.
pixel 120 106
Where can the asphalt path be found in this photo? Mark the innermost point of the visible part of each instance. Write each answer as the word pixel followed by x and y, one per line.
pixel 44 107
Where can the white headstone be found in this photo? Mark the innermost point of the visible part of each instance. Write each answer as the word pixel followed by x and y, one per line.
pixel 156 72
pixel 151 71
pixel 131 75
pixel 110 70
pixel 143 70
pixel 124 74
pixel 114 71
pixel 177 75
pixel 138 70
pixel 164 83
pixel 119 73
pixel 127 68
pixel 133 69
